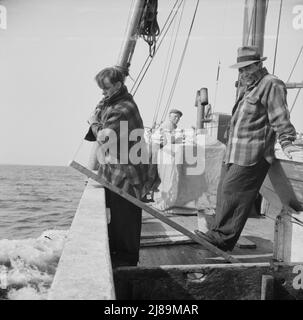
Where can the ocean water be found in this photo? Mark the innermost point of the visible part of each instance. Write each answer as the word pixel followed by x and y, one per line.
pixel 37 206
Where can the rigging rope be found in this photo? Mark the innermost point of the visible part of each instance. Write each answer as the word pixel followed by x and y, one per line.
pixel 164 77
pixel 180 63
pixel 297 95
pixel 277 37
pixel 295 64
pixel 171 51
pixel 219 62
pixel 148 57
pixel 292 70
pixel 149 60
pixel 148 26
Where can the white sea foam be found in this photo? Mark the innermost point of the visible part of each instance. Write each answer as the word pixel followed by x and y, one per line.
pixel 27 267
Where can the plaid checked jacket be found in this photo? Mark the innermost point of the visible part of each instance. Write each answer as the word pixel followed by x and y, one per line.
pixel 259 115
pixel 121 108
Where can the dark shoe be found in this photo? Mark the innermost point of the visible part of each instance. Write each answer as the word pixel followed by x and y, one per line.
pixel 210 240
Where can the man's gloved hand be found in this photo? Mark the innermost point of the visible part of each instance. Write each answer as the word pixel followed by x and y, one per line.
pixel 290 149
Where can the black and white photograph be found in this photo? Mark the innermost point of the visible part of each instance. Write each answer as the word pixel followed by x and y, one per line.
pixel 151 150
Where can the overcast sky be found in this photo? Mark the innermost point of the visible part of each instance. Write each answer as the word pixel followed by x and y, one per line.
pixel 52 49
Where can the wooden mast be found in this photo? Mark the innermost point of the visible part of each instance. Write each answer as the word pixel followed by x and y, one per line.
pixel 254 24
pixel 124 60
pixel 130 40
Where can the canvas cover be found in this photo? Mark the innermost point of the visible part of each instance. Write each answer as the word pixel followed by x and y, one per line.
pixel 187 186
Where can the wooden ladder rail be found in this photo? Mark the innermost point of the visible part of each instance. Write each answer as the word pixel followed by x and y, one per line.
pixel 154 212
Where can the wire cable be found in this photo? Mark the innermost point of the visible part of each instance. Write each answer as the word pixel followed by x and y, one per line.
pixel 149 57
pixel 277 37
pixel 295 100
pixel 295 64
pixel 181 62
pixel 163 85
pixel 133 91
pixel 164 77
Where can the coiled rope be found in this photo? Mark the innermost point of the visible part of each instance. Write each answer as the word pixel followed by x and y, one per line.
pixel 148 26
pixel 149 59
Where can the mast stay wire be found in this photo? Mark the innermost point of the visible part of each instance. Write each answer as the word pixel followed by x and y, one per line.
pixel 292 70
pixel 149 59
pixel 171 51
pixel 164 77
pixel 295 100
pixel 180 63
pixel 219 62
pixel 277 37
pixel 295 64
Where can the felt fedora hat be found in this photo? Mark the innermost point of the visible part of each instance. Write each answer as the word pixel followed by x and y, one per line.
pixel 246 56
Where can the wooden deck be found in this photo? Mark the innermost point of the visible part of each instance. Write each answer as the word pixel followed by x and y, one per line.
pixel 161 245
pixel 188 271
pixel 283 189
pixel 173 267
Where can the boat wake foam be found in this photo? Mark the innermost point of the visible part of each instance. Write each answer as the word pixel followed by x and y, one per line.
pixel 28 266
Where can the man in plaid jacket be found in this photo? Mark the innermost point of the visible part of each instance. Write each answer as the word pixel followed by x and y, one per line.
pixel 114 119
pixel 259 116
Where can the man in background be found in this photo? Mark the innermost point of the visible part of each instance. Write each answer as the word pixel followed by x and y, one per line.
pixel 172 122
pixel 169 127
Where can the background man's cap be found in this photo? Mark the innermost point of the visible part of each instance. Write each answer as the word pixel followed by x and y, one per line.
pixel 246 56
pixel 176 111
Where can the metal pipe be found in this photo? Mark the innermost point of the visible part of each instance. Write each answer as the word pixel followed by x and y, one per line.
pixel 260 25
pixel 201 102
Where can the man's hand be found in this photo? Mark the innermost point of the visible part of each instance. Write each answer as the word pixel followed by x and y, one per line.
pixel 290 149
pixel 100 137
pixel 94 117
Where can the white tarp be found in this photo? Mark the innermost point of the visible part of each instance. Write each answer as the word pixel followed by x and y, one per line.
pixel 186 185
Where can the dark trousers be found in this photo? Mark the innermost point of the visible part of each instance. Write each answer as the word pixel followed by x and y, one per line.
pixel 124 230
pixel 237 191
